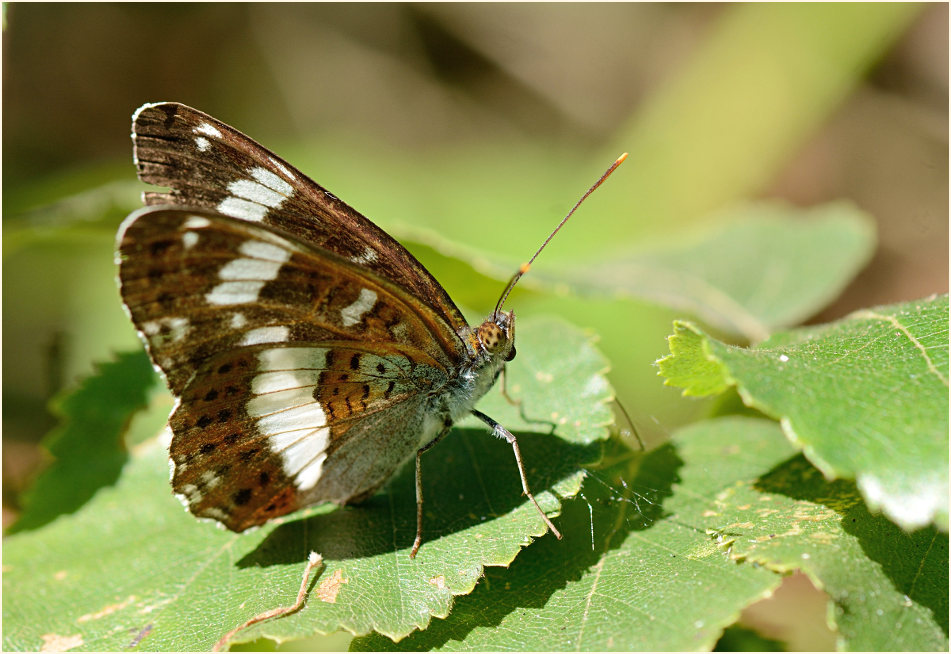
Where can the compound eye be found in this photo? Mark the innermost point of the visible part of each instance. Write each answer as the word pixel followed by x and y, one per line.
pixel 491 336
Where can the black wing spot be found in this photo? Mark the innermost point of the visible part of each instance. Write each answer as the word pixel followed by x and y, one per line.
pixel 158 248
pixel 170 112
pixel 242 497
pixel 207 448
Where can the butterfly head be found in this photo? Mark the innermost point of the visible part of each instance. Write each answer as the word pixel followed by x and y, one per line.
pixel 497 335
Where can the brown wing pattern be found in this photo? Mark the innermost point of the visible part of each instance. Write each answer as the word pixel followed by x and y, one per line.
pixel 197 283
pixel 210 165
pixel 268 429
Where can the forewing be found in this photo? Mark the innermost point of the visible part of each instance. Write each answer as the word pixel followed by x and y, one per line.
pixel 197 283
pixel 210 165
pixel 267 429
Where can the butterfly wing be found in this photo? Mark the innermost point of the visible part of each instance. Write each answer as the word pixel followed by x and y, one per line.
pixel 268 429
pixel 197 283
pixel 210 165
pixel 301 376
pixel 305 345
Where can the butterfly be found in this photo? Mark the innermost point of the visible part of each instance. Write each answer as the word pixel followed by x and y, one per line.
pixel 310 353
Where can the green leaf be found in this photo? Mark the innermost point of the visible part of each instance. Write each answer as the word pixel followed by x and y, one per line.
pixel 866 398
pixel 757 268
pixel 640 571
pixel 742 639
pixel 87 447
pixel 634 572
pixel 132 562
pixel 888 589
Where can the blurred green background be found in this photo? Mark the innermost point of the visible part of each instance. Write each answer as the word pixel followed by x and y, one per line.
pixel 483 124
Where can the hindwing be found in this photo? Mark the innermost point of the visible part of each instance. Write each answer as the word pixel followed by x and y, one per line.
pixel 267 429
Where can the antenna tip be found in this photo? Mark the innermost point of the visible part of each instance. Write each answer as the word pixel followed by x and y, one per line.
pixel 620 159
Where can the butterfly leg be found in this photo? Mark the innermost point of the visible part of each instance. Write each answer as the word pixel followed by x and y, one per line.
pixel 505 390
pixel 517 402
pixel 508 436
pixel 419 488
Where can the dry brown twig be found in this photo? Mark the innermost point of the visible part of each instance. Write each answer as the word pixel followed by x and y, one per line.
pixel 313 561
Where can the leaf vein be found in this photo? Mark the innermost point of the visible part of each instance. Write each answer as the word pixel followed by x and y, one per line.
pixel 914 341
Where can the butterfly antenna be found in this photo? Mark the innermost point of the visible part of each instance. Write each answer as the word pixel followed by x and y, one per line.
pixel 525 266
